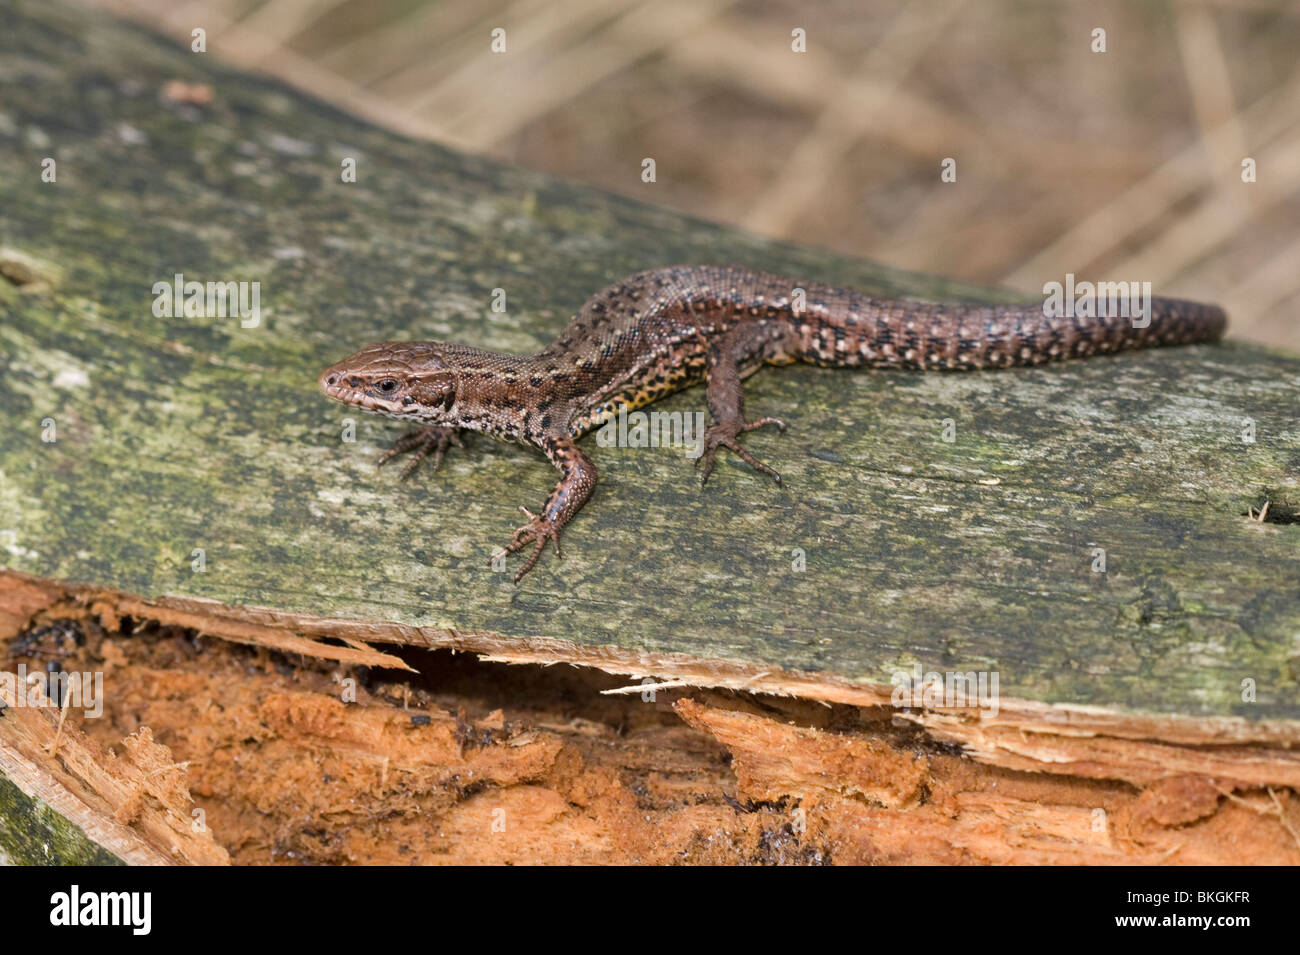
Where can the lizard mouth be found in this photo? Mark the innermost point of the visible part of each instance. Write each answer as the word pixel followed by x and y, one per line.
pixel 339 387
pixel 350 391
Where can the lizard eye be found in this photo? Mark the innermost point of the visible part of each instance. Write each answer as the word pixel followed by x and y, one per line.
pixel 388 385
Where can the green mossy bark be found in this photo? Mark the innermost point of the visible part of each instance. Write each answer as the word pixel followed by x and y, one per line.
pixel 182 433
pixel 31 833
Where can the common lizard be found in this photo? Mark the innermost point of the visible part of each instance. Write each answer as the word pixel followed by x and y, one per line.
pixel 665 329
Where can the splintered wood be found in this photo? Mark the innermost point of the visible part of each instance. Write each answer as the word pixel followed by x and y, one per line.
pixel 287 753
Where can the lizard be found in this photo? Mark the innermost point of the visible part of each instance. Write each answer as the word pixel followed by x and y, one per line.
pixel 665 329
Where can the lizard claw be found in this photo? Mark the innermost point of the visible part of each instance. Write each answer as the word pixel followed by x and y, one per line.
pixel 538 530
pixel 430 439
pixel 721 436
pixel 752 425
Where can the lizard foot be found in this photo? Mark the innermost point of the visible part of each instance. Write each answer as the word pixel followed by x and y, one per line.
pixel 724 436
pixel 538 529
pixel 430 439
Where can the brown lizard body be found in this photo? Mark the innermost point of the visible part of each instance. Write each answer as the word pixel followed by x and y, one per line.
pixel 666 329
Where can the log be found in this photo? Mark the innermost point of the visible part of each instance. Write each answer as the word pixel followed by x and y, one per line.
pixel 1089 533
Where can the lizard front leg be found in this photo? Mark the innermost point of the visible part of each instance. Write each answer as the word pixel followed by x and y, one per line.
pixel 577 481
pixel 741 352
pixel 429 439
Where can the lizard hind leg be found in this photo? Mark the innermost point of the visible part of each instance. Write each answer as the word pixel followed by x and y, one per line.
pixel 740 353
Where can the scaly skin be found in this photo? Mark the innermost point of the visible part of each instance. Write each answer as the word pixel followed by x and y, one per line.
pixel 666 329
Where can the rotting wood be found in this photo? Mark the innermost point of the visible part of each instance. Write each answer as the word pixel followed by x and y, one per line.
pixel 417 767
pixel 1024 734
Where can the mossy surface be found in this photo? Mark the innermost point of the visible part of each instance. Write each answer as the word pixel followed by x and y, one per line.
pixel 31 833
pixel 193 433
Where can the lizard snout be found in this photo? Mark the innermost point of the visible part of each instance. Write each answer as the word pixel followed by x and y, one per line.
pixel 334 382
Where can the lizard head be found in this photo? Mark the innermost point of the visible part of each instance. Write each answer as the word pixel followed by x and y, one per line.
pixel 399 379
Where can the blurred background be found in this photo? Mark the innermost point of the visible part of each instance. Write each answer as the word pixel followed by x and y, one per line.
pixel 1122 165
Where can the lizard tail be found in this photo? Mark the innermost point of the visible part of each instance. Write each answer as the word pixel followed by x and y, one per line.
pixel 898 334
pixel 1038 337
